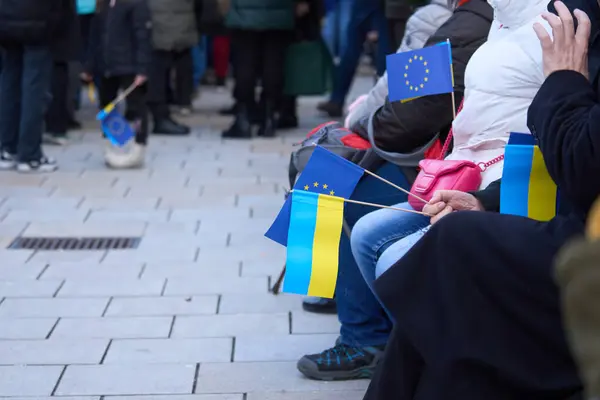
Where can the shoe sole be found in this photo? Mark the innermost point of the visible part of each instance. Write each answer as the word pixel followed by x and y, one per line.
pixel 310 370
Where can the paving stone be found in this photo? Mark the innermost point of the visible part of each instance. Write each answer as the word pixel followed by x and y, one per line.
pixel 280 347
pixel 230 325
pixel 162 254
pixel 151 379
pixel 190 271
pixel 258 303
pixel 238 396
pixel 113 328
pixel 14 257
pixel 262 268
pixel 315 395
pixel 215 285
pixel 25 328
pixel 56 216
pixel 88 229
pixel 81 256
pixel 54 307
pixel 53 351
pixel 118 204
pixel 162 306
pixel 42 203
pixel 54 398
pixel 208 214
pixel 24 191
pixel 129 215
pixel 10 272
pixel 28 380
pixel 263 376
pixel 92 272
pixel 27 288
pixel 170 228
pixel 175 351
pixel 109 287
pixel 304 322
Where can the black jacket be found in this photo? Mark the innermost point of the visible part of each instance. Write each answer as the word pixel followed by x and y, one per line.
pixel 121 40
pixel 66 44
pixel 565 118
pixel 403 127
pixel 30 21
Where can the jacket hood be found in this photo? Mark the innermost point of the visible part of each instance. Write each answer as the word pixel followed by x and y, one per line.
pixel 512 14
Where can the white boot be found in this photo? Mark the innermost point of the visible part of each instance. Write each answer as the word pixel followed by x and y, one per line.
pixel 134 158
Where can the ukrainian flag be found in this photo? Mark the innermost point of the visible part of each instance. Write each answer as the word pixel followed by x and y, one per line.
pixel 527 189
pixel 313 244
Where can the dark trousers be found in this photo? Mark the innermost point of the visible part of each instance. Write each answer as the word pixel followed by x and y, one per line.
pixel 396 29
pixel 259 55
pixel 365 15
pixel 57 116
pixel 26 73
pixel 136 110
pixel 159 80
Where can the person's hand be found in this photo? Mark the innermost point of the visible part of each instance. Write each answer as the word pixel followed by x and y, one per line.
pixel 569 48
pixel 86 77
pixel 140 80
pixel 445 202
pixel 302 8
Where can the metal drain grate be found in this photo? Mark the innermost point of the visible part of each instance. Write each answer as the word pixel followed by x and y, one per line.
pixel 72 243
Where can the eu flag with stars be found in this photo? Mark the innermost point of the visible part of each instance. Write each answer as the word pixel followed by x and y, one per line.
pixel 115 127
pixel 419 73
pixel 325 173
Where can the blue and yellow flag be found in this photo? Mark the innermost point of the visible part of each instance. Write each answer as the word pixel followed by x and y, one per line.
pixel 114 126
pixel 325 173
pixel 419 73
pixel 313 244
pixel 527 189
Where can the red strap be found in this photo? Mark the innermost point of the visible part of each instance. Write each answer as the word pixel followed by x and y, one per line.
pixel 462 2
pixel 450 135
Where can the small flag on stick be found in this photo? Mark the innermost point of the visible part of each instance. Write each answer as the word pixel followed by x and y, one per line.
pixel 115 127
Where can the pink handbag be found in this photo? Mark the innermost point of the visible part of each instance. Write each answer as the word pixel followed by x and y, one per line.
pixel 443 174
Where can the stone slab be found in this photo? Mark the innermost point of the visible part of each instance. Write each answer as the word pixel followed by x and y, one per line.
pixel 230 325
pixel 28 380
pixel 54 307
pixel 113 328
pixel 25 328
pixel 280 347
pixel 161 306
pixel 111 287
pixel 52 352
pixel 168 351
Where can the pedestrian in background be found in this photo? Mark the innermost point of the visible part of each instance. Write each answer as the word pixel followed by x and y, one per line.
pixel 261 33
pixel 28 29
pixel 174 34
pixel 120 54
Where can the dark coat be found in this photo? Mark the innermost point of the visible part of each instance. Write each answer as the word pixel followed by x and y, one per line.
pixel 120 40
pixel 403 127
pixel 174 25
pixel 261 15
pixel 478 315
pixel 30 21
pixel 209 18
pixel 66 45
pixel 401 9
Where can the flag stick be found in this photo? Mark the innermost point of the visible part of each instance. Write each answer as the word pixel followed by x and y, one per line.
pixel 396 186
pixel 124 95
pixel 452 73
pixel 388 207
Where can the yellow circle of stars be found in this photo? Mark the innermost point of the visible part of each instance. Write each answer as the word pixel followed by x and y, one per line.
pixel 416 60
pixel 317 185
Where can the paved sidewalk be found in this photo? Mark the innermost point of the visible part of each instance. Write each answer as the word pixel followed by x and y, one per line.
pixel 187 315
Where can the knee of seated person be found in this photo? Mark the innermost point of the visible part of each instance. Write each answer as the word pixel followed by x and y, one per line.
pixel 362 231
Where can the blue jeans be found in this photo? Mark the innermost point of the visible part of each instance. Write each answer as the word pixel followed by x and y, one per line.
pixel 364 321
pixel 365 14
pixel 24 85
pixel 335 27
pixel 376 239
pixel 200 56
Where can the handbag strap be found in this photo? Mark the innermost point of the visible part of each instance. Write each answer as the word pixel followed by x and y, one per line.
pixel 483 165
pixel 444 151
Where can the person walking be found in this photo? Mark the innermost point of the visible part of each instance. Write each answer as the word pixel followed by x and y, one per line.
pixel 120 56
pixel 27 30
pixel 174 34
pixel 261 32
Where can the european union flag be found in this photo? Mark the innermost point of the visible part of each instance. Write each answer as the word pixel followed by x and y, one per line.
pixel 419 73
pixel 325 173
pixel 114 126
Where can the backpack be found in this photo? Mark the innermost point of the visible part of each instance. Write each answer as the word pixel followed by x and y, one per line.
pixel 335 138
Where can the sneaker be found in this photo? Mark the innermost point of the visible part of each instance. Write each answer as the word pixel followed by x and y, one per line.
pixel 185 111
pixel 45 164
pixel 319 305
pixel 341 363
pixel 7 160
pixel 55 139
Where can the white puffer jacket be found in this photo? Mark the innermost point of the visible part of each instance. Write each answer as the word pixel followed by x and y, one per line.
pixel 501 80
pixel 419 27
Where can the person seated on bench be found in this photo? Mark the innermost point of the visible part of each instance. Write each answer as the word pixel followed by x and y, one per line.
pixel 365 326
pixel 477 311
